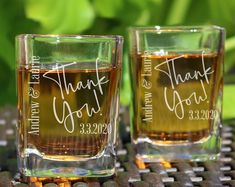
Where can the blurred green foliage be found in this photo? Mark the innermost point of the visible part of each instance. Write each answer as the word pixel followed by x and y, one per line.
pixel 108 17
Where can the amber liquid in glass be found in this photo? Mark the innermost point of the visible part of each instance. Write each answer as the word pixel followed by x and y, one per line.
pixel 175 96
pixel 67 111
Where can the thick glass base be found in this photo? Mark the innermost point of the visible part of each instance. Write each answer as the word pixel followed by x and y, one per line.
pixel 208 149
pixel 38 166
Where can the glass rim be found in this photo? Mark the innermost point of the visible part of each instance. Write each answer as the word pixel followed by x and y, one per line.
pixel 176 28
pixel 70 36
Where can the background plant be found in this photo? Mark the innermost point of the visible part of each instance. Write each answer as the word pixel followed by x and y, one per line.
pixel 110 17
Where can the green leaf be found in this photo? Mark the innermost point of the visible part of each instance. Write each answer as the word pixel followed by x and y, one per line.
pixel 198 13
pixel 133 12
pixel 108 8
pixel 71 16
pixel 222 13
pixel 7 48
pixel 230 54
pixel 125 96
pixel 159 10
pixel 178 12
pixel 7 84
pixel 229 102
pixel 144 18
pixel 7 51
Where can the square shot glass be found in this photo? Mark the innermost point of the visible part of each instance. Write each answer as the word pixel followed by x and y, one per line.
pixel 68 102
pixel 177 86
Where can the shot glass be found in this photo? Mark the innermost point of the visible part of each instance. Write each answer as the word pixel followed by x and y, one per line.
pixel 68 101
pixel 177 87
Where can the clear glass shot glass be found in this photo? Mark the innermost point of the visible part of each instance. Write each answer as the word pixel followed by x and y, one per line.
pixel 68 102
pixel 177 87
